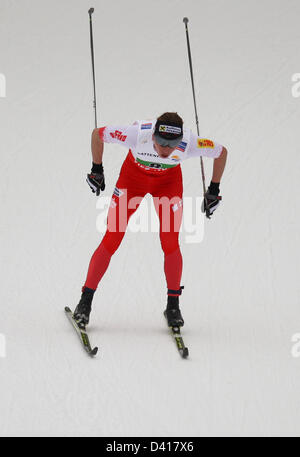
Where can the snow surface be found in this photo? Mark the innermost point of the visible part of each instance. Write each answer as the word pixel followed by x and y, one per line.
pixel 241 297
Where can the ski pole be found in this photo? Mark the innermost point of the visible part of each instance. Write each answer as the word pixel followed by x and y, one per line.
pixel 185 20
pixel 91 10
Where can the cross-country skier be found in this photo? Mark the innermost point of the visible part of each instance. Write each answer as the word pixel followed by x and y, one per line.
pixel 152 165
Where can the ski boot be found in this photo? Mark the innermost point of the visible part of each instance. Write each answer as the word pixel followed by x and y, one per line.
pixel 84 307
pixel 173 313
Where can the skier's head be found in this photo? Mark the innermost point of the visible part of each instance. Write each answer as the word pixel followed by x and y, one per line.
pixel 168 133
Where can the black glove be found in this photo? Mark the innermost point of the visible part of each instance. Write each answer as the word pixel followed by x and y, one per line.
pixel 96 179
pixel 211 199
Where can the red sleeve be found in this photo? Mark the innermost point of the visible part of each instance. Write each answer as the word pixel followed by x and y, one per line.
pixel 125 135
pixel 101 133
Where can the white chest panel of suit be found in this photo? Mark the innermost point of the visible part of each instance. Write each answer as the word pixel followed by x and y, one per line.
pixel 138 137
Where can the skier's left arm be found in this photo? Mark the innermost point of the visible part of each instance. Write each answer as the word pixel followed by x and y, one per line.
pixel 204 147
pixel 219 166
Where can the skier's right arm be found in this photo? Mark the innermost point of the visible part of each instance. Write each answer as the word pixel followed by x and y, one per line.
pixel 97 147
pixel 125 135
pixel 96 179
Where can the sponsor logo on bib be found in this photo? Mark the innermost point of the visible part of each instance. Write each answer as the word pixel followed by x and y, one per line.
pixel 146 126
pixel 182 146
pixel 119 135
pixel 118 193
pixel 202 143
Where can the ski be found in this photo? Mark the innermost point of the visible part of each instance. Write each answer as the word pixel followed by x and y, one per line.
pixel 183 350
pixel 82 333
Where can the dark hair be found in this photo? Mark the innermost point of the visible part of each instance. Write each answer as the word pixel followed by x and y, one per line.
pixel 171 117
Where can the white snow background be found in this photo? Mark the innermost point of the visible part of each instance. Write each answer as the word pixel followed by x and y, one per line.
pixel 241 297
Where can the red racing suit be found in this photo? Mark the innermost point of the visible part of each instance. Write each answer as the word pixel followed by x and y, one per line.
pixel 142 172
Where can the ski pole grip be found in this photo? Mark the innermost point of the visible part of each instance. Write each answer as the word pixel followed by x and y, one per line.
pixel 91 10
pixel 185 20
